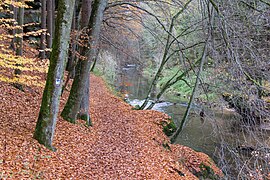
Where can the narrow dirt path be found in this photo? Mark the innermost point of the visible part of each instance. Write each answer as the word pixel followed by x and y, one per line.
pixel 122 144
pixel 124 148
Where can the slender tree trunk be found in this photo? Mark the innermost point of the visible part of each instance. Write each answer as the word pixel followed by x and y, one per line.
pixel 15 15
pixel 53 16
pixel 202 61
pixel 49 23
pixel 75 26
pixel 85 8
pixel 19 40
pixel 19 43
pixel 72 106
pixel 171 82
pixel 95 62
pixel 165 58
pixel 86 12
pixel 72 53
pixel 43 26
pixel 84 106
pixel 46 123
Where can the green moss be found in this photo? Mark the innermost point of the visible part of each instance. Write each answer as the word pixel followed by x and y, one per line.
pixel 67 118
pixel 169 128
pixel 86 118
pixel 206 172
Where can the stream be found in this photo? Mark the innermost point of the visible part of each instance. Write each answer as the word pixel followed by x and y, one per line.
pixel 213 135
pixel 197 133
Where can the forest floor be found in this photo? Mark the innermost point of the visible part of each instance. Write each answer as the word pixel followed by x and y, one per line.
pixel 122 143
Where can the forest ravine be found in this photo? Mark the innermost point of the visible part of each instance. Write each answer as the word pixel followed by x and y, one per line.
pixel 206 57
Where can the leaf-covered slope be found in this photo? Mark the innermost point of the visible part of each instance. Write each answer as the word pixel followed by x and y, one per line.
pixel 122 144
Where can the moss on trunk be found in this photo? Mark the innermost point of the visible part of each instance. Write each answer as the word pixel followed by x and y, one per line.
pixel 72 106
pixel 46 123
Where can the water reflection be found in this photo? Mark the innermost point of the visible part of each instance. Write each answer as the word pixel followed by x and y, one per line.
pixel 216 134
pixel 197 134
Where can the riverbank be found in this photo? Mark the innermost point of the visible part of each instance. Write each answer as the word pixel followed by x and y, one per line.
pixel 122 143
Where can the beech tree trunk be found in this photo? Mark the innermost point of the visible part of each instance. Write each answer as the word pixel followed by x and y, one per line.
pixel 46 123
pixel 84 106
pixel 86 12
pixel 80 82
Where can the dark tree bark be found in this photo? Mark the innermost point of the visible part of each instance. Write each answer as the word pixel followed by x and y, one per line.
pixel 19 43
pixel 80 22
pixel 46 123
pixel 53 16
pixel 95 61
pixel 50 13
pixel 84 106
pixel 15 15
pixel 80 82
pixel 19 40
pixel 86 12
pixel 72 53
pixel 43 26
pixel 75 26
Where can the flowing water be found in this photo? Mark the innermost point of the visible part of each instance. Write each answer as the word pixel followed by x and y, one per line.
pixel 206 134
pixel 197 134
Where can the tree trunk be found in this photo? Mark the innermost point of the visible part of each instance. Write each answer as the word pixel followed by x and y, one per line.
pixel 19 43
pixel 84 20
pixel 53 16
pixel 72 106
pixel 86 12
pixel 95 62
pixel 74 47
pixel 50 13
pixel 72 53
pixel 84 107
pixel 46 123
pixel 43 26
pixel 165 57
pixel 15 15
pixel 202 61
pixel 19 40
pixel 171 82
